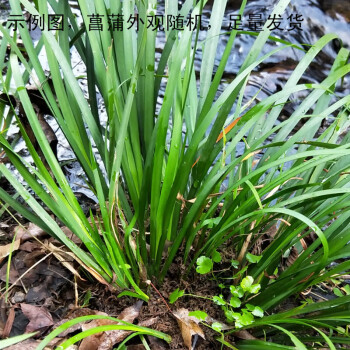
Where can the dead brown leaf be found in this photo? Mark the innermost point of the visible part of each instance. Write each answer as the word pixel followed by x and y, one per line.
pixel 32 230
pixel 71 235
pixel 94 273
pixel 30 246
pixel 110 338
pixel 271 277
pixel 29 344
pixel 75 314
pixel 65 258
pixel 106 340
pixel 5 250
pixel 93 341
pixel 189 327
pixel 9 323
pixel 244 334
pixel 130 313
pixel 13 277
pixel 156 344
pixel 39 317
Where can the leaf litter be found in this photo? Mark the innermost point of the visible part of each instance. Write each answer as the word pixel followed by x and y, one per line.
pixel 41 295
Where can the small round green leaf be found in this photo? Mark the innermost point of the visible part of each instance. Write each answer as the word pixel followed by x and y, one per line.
pixel 258 311
pixel 246 283
pixel 237 291
pixel 247 318
pixel 217 326
pixel 253 258
pixel 235 263
pixel 216 256
pixel 219 300
pixel 255 288
pixel 250 307
pixel 204 265
pixel 235 302
pixel 201 315
pixel 176 294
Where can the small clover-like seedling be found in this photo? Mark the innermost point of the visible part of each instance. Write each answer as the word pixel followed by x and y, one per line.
pixel 258 311
pixel 211 222
pixel 235 302
pixel 216 256
pixel 235 264
pixel 237 291
pixel 253 258
pixel 204 265
pixel 255 310
pixel 255 288
pixel 245 319
pixel 240 272
pixel 217 326
pixel 241 317
pixel 219 300
pixel 176 294
pixel 231 316
pixel 247 283
pixel 200 315
pixel 248 286
pixel 244 316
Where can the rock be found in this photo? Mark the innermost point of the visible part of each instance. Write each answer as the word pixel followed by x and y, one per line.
pixel 18 298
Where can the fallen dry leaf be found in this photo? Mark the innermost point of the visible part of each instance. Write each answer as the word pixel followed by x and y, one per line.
pixel 244 334
pixel 156 344
pixel 32 230
pixel 30 246
pixel 189 327
pixel 137 347
pixel 39 317
pixel 13 277
pixel 106 340
pixel 93 341
pixel 75 314
pixel 110 338
pixel 94 273
pixel 69 233
pixel 9 323
pixel 29 344
pixel 65 258
pixel 5 250
pixel 131 312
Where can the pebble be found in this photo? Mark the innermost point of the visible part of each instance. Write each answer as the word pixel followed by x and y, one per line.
pixel 18 298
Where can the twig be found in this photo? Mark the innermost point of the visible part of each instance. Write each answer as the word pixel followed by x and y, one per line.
pixel 158 292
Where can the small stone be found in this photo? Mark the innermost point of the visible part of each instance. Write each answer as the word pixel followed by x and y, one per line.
pixel 18 298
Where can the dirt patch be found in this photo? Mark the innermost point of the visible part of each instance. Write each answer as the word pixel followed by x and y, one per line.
pixel 43 292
